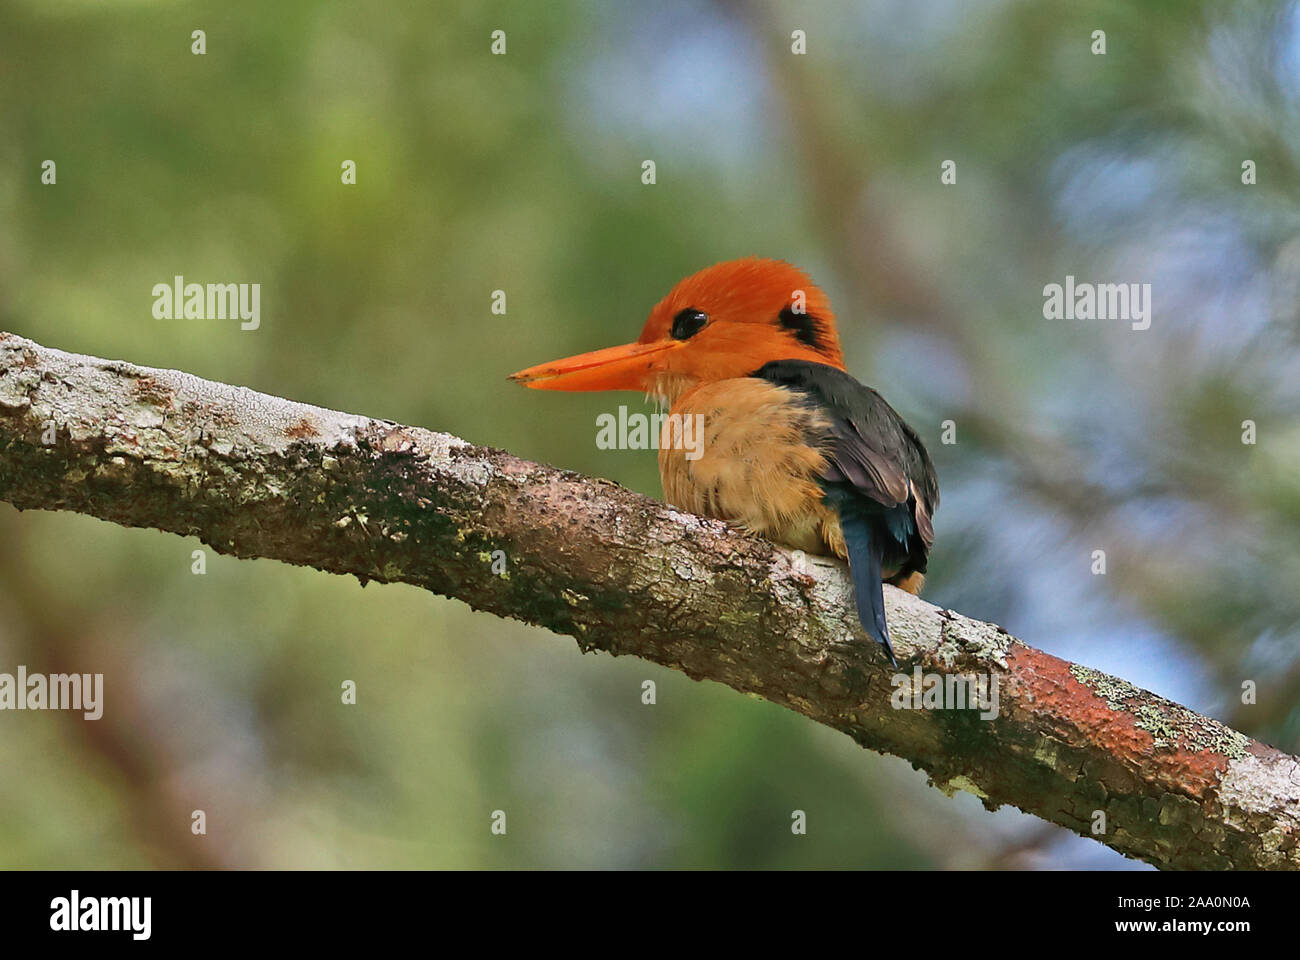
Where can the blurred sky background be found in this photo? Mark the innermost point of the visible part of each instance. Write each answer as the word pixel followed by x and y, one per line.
pixel 522 172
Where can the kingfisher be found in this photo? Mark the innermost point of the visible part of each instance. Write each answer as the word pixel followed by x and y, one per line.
pixel 794 448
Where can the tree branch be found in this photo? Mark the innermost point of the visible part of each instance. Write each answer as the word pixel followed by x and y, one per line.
pixel 258 476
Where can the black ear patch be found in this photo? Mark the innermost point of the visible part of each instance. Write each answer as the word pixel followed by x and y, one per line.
pixel 803 325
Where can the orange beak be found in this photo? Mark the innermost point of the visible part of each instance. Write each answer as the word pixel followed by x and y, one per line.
pixel 628 367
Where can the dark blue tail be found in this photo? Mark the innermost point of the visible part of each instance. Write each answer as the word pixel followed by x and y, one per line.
pixel 865 551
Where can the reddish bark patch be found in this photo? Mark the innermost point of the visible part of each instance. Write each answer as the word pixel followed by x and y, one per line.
pixel 1045 686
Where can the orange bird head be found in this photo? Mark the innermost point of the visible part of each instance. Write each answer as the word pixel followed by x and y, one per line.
pixel 725 321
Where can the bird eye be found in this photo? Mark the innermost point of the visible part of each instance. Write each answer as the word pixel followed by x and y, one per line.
pixel 688 323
